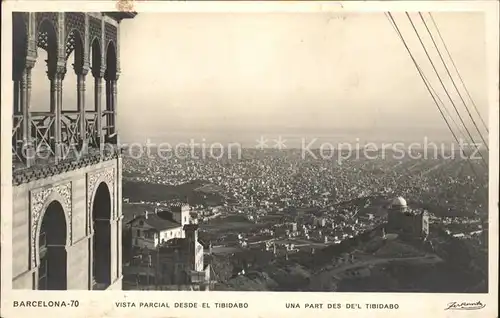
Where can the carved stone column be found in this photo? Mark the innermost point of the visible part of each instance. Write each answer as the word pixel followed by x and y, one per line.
pixel 98 103
pixel 28 151
pixel 24 110
pixel 17 94
pixel 53 108
pixel 80 87
pixel 60 79
pixel 114 102
pixel 111 93
pixel 31 57
pixel 56 76
pixel 109 109
pixel 22 89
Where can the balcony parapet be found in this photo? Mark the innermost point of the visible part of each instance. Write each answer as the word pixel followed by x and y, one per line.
pixel 48 168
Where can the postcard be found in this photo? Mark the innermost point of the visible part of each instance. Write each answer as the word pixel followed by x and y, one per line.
pixel 249 159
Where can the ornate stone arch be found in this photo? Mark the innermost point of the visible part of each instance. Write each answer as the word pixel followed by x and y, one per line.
pixel 110 33
pixel 96 39
pixel 111 59
pixel 48 38
pixel 97 64
pixel 44 20
pixel 93 181
pixel 75 42
pixel 40 201
pixel 95 33
pixel 74 27
pixel 111 36
pixel 94 29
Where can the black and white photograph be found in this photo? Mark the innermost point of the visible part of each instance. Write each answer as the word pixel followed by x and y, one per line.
pixel 337 152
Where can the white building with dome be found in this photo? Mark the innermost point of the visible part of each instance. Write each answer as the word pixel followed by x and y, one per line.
pixel 398 202
pixel 403 221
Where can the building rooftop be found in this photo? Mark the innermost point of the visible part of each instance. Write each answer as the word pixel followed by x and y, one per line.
pixel 156 222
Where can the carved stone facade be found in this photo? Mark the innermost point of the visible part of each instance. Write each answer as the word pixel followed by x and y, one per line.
pixel 38 201
pixel 27 175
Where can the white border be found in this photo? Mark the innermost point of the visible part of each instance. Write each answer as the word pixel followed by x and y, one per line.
pixel 101 304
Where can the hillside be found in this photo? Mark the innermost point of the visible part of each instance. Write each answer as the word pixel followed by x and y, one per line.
pixel 149 192
pixel 364 263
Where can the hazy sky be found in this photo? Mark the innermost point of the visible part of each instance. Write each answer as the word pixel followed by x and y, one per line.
pixel 235 77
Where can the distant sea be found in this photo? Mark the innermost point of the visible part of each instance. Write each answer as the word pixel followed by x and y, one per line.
pixel 290 140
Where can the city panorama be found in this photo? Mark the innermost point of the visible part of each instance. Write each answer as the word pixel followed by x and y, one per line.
pixel 250 152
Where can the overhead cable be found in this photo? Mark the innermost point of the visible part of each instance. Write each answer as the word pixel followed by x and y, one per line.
pixel 458 73
pixel 427 85
pixel 444 87
pixel 451 77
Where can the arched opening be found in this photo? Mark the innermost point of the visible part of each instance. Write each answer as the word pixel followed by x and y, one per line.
pixel 74 55
pixel 91 94
pixel 101 218
pixel 46 42
pixel 72 122
pixel 110 77
pixel 42 127
pixel 111 61
pixel 95 65
pixel 52 272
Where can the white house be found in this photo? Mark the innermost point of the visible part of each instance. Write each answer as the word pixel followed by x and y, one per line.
pixel 152 228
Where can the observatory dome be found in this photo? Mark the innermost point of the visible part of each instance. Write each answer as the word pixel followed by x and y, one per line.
pixel 398 202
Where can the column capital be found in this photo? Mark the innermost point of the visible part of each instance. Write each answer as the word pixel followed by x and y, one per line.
pixel 82 70
pixel 19 68
pixel 31 53
pixel 113 77
pixel 30 62
pixel 58 71
pixel 99 73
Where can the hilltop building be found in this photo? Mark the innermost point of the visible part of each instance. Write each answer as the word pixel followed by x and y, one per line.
pixel 405 222
pixel 151 229
pixel 66 161
pixel 181 260
pixel 166 249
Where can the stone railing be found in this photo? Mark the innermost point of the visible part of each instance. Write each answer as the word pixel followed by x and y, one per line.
pixel 44 169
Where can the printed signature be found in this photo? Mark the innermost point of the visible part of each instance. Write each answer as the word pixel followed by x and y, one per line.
pixel 465 306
